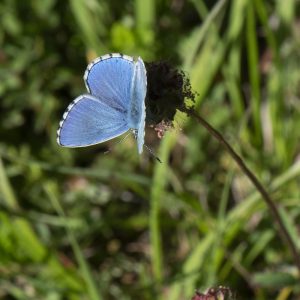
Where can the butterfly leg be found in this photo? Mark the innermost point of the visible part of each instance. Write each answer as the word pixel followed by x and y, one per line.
pixel 118 142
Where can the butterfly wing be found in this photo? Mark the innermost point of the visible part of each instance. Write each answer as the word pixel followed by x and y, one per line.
pixel 109 78
pixel 137 109
pixel 88 121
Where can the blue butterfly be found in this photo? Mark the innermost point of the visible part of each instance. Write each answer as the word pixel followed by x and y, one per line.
pixel 115 103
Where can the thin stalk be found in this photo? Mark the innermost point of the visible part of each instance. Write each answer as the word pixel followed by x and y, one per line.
pixel 265 196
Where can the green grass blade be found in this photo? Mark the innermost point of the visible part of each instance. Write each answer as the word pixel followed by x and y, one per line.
pixel 202 32
pixel 88 24
pixel 93 292
pixel 253 69
pixel 160 180
pixel 96 173
pixel 6 189
pixel 144 15
pixel 191 270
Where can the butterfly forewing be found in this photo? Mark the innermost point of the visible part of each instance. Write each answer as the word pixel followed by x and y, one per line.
pixel 109 78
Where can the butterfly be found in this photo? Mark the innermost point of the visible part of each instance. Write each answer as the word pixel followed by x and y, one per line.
pixel 114 104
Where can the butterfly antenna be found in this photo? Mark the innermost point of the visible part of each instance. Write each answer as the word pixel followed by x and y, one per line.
pixel 152 153
pixel 116 143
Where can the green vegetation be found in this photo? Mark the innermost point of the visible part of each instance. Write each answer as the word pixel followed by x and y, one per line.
pixel 81 224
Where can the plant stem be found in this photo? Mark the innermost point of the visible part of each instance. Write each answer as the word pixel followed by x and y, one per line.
pixel 265 196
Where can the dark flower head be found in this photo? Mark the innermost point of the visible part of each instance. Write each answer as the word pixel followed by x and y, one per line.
pixel 167 89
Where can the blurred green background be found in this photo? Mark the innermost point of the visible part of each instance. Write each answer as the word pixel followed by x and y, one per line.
pixel 78 224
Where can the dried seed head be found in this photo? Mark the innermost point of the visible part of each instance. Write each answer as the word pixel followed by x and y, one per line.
pixel 167 90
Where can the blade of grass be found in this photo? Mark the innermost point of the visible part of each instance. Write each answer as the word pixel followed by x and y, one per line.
pixel 33 216
pixel 93 292
pixel 290 224
pixel 253 69
pixel 234 261
pixel 191 270
pixel 100 173
pixel 202 32
pixel 144 15
pixel 6 189
pixel 231 70
pixel 206 66
pixel 27 237
pixel 217 250
pixel 285 293
pixel 287 10
pixel 231 73
pixel 262 14
pixel 160 180
pixel 261 243
pixel 246 207
pixel 274 91
pixel 236 20
pixel 88 25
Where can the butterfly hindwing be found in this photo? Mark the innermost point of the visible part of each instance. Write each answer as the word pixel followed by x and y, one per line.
pixel 89 120
pixel 137 112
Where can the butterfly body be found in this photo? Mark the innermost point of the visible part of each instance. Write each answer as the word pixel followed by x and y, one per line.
pixel 117 87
